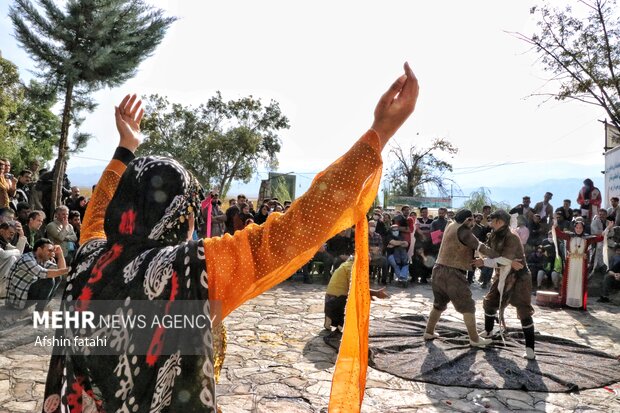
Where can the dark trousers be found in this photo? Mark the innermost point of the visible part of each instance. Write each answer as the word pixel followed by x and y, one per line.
pixel 334 309
pixel 382 263
pixel 42 291
pixel 419 271
pixel 486 274
pixel 609 283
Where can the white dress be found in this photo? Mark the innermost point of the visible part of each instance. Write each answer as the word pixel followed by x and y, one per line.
pixel 574 283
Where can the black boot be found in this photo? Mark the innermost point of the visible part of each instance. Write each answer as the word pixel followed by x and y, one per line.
pixel 489 323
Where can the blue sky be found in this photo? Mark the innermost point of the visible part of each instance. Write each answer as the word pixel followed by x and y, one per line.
pixel 327 63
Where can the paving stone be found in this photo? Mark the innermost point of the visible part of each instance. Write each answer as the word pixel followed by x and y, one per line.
pixel 277 361
pixel 284 406
pixel 19 407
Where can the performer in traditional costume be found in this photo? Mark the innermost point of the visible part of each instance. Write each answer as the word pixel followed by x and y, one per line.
pixel 450 276
pixel 511 283
pixel 574 292
pixel 135 247
pixel 589 199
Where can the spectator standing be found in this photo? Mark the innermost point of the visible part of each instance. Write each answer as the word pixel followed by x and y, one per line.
pixel 218 217
pixel 72 200
pixel 439 224
pixel 231 212
pixel 405 224
pixel 24 180
pixel 8 184
pixel 486 211
pixel 262 214
pixel 524 209
pixel 589 199
pixel 244 214
pixel 545 210
pixel 424 224
pixel 33 167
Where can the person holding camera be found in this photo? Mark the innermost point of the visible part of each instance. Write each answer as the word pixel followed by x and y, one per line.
pixel 8 183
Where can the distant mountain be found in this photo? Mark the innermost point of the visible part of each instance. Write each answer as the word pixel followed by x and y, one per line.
pixel 567 188
pixel 560 188
pixel 85 176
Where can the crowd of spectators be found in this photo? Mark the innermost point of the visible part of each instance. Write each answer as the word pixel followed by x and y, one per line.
pixel 37 243
pixel 403 243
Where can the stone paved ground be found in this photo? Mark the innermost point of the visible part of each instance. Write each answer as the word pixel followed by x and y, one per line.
pixel 277 361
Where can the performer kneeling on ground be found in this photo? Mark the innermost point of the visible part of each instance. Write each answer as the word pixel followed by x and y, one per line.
pixel 512 281
pixel 337 293
pixel 450 276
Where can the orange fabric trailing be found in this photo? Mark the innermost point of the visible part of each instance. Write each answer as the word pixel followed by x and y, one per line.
pixel 349 380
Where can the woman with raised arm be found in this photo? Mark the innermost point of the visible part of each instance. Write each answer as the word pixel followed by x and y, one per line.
pixel 136 245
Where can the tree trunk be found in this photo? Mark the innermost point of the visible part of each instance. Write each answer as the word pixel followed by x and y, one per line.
pixel 61 161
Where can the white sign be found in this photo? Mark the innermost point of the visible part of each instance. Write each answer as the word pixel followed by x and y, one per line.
pixel 612 173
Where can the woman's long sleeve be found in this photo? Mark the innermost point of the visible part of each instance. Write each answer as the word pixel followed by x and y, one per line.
pixel 255 259
pixel 252 261
pixel 561 234
pixel 92 227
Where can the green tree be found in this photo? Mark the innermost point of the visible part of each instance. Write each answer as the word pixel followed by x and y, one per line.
pixel 416 170
pixel 36 126
pixel 482 197
pixel 580 48
pixel 28 127
pixel 217 141
pixel 89 45
pixel 11 96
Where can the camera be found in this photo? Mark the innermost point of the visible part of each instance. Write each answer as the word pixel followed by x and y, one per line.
pixel 8 176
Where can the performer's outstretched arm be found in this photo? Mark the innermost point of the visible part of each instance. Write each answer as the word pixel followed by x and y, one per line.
pixel 242 266
pixel 128 116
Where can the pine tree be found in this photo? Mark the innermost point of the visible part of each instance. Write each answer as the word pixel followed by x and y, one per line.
pixel 88 45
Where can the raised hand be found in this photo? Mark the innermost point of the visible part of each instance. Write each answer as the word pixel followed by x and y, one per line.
pixel 396 105
pixel 128 115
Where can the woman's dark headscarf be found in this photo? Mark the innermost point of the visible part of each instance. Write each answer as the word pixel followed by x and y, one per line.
pixel 152 203
pixel 144 259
